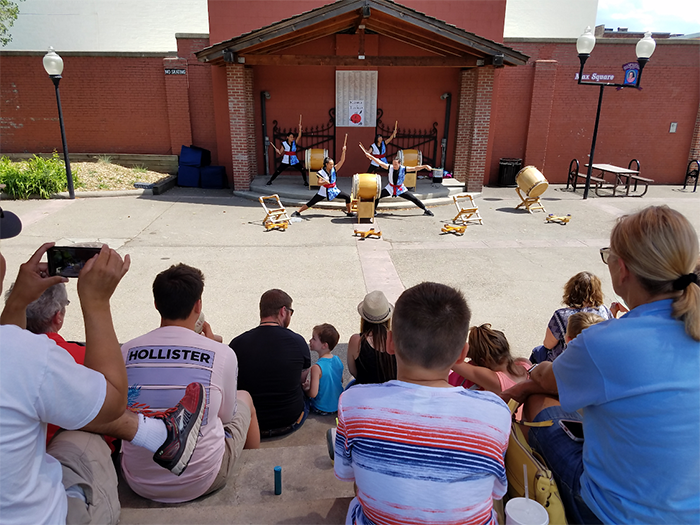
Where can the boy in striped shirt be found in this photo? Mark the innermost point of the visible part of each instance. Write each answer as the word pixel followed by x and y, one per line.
pixel 418 449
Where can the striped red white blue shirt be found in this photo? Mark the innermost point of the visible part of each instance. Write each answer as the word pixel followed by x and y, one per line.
pixel 422 454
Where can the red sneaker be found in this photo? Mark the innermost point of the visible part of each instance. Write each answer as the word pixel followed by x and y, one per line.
pixel 182 423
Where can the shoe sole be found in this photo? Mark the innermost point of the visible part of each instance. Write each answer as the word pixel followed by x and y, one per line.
pixel 330 443
pixel 192 438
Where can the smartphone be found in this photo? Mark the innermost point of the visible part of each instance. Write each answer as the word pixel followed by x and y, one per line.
pixel 573 429
pixel 67 261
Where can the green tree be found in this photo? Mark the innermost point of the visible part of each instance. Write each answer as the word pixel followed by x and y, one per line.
pixel 8 14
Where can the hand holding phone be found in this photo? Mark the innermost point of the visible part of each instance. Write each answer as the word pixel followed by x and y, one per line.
pixel 67 261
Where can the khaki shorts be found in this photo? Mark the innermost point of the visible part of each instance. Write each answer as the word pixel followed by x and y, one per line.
pixel 236 433
pixel 87 462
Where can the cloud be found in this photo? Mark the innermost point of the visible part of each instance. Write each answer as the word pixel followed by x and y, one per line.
pixel 673 16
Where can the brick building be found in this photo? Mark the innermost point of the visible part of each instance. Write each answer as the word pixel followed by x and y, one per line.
pixel 211 91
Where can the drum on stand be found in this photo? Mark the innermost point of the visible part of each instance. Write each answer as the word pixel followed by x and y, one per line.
pixel 313 162
pixel 366 186
pixel 531 182
pixel 410 158
pixel 437 175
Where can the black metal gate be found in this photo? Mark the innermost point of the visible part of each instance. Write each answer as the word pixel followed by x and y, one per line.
pixel 313 137
pixel 425 140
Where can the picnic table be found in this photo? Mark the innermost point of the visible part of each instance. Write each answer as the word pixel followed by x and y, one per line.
pixel 623 179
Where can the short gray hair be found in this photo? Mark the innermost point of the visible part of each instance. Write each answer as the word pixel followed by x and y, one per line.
pixel 41 311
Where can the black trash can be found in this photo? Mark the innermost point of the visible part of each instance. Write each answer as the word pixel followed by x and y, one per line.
pixel 507 170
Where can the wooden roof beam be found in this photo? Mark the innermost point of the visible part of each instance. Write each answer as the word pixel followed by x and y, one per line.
pixel 369 61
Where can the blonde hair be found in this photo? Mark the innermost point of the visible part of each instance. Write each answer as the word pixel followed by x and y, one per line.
pixel 580 321
pixel 660 246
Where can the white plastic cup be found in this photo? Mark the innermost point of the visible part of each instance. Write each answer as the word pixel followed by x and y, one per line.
pixel 521 511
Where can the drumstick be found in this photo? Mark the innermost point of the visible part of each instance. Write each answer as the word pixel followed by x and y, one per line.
pixel 346 140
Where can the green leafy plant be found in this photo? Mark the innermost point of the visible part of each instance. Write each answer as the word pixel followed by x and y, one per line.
pixel 37 176
pixel 8 14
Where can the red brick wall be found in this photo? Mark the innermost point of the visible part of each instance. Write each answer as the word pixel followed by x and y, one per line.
pixel 177 97
pixel 120 103
pixel 110 104
pixel 695 141
pixel 633 124
pixel 540 112
pixel 239 82
pixel 474 127
pixel 230 18
pixel 201 95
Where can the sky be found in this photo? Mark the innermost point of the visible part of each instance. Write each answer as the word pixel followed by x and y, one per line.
pixel 663 16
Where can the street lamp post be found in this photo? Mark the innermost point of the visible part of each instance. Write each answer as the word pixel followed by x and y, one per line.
pixel 53 64
pixel 584 46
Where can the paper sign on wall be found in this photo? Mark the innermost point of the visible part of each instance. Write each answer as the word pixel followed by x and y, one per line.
pixel 356 99
pixel 356 110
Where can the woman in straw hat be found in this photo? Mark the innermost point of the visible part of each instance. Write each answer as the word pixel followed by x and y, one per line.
pixel 368 360
pixel 637 382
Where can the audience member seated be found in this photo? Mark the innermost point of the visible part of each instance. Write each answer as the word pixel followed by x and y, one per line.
pixel 326 377
pixel 492 367
pixel 41 383
pixel 418 449
pixel 636 381
pixel 271 359
pixel 159 365
pixel 582 293
pixel 579 322
pixel 46 316
pixel 368 360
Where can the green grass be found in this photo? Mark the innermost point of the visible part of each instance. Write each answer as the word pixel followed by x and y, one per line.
pixel 104 159
pixel 37 176
pixel 139 168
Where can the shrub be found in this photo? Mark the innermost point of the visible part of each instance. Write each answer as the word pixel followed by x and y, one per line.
pixel 37 176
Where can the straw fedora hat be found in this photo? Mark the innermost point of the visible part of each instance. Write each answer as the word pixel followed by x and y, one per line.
pixel 375 308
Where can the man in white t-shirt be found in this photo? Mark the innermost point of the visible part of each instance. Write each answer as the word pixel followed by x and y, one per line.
pixel 40 383
pixel 159 365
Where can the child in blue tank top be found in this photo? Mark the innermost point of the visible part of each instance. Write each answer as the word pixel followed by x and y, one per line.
pixel 326 377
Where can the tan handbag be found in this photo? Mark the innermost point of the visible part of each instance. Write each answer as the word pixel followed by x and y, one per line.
pixel 541 485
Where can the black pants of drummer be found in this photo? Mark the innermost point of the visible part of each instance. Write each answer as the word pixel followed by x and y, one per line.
pixel 284 166
pixel 318 198
pixel 405 195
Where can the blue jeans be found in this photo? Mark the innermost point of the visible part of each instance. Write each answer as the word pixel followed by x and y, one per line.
pixel 564 457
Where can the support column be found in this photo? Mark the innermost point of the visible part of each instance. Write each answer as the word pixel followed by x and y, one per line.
pixel 473 127
pixel 242 127
pixel 540 113
pixel 178 103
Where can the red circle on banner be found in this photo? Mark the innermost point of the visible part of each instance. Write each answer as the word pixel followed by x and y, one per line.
pixel 356 119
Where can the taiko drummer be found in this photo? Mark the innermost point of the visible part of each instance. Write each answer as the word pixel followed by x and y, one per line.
pixel 396 186
pixel 379 149
pixel 289 156
pixel 328 189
